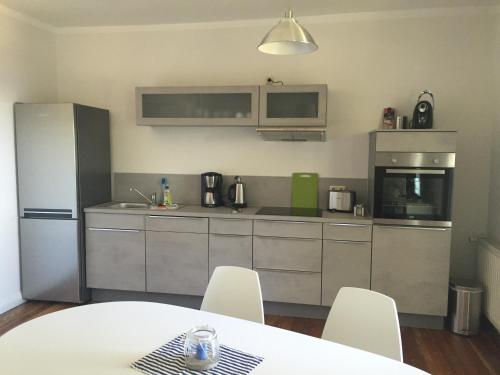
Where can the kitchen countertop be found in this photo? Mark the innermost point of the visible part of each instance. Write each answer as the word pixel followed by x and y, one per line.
pixel 228 213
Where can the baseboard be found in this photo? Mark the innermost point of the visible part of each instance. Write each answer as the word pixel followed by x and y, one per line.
pixel 12 301
pixel 194 302
pixel 422 321
pixel 106 295
pixel 296 310
pixel 273 308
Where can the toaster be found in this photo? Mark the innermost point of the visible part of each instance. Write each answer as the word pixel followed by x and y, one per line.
pixel 340 199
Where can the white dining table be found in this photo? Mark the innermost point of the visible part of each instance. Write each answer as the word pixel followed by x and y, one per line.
pixel 106 338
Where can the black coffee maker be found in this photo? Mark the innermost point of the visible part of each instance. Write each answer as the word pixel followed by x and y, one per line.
pixel 211 189
pixel 424 112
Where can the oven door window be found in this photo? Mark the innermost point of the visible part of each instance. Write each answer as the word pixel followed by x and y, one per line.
pixel 413 193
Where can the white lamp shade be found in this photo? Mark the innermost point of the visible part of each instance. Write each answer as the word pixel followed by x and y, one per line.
pixel 288 38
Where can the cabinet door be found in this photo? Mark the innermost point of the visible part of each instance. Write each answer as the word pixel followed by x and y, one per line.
pixel 409 142
pixel 177 263
pixel 229 250
pixel 291 287
pixel 411 265
pixel 345 263
pixel 303 105
pixel 294 254
pixel 198 106
pixel 115 259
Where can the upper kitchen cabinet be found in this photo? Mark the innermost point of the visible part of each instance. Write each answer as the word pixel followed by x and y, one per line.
pixel 198 106
pixel 301 105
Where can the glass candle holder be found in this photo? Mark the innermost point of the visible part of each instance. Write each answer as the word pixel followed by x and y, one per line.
pixel 201 348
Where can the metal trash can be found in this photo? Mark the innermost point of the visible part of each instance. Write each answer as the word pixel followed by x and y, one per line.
pixel 465 306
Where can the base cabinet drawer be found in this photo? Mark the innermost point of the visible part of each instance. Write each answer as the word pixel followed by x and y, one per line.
pixel 242 227
pixel 347 232
pixel 177 224
pixel 295 254
pixel 294 229
pixel 115 221
pixel 291 287
pixel 176 263
pixel 411 265
pixel 229 250
pixel 115 259
pixel 345 263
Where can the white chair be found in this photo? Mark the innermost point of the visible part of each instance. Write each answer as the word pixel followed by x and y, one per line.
pixel 365 320
pixel 234 291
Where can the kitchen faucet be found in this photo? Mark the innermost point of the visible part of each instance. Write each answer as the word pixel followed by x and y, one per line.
pixel 151 201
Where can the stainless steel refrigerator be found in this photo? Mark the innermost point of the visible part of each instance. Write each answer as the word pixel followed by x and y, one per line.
pixel 63 166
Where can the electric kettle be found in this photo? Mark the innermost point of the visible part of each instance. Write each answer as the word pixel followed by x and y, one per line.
pixel 236 194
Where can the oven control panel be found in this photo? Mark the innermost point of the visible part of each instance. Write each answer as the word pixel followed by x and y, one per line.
pixel 415 159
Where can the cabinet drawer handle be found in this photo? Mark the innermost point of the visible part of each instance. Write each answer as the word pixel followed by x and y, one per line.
pixel 226 219
pixel 287 271
pixel 349 225
pixel 175 217
pixel 289 238
pixel 414 228
pixel 279 270
pixel 288 222
pixel 362 243
pixel 229 235
pixel 114 230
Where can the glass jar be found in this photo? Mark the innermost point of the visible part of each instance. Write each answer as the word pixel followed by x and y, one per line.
pixel 201 348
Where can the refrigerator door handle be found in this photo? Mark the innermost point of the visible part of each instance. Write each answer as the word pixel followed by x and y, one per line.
pixel 47 213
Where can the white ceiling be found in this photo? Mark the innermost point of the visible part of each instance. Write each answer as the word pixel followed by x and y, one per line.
pixel 68 13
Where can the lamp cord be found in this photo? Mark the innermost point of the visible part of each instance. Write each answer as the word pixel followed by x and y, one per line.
pixel 270 81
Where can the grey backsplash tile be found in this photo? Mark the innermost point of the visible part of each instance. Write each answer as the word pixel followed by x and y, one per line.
pixel 185 187
pixel 259 190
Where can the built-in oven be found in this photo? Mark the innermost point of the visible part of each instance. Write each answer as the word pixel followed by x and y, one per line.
pixel 413 188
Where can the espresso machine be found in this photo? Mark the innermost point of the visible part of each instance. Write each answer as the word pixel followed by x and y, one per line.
pixel 211 189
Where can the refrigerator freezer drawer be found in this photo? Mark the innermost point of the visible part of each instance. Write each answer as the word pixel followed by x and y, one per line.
pixel 50 260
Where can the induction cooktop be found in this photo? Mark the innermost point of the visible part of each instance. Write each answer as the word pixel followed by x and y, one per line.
pixel 290 211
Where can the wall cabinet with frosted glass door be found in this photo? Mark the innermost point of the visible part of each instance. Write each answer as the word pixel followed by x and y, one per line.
pixel 293 105
pixel 198 106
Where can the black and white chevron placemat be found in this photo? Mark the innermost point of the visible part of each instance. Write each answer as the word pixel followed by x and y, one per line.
pixel 169 360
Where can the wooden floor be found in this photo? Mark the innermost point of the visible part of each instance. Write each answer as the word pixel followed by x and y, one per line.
pixel 434 351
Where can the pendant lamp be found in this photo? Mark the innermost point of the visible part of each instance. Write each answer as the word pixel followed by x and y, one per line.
pixel 288 38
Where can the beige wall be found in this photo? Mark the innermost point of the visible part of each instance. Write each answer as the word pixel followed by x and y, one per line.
pixel 369 62
pixel 494 206
pixel 27 73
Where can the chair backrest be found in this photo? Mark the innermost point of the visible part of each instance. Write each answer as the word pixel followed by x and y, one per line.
pixel 234 291
pixel 365 320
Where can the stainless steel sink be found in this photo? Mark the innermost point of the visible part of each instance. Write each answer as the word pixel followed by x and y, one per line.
pixel 130 205
pixel 175 206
